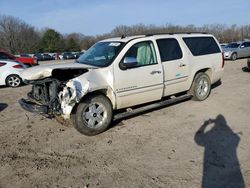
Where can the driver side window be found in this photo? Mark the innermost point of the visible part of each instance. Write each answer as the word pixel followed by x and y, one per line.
pixel 143 52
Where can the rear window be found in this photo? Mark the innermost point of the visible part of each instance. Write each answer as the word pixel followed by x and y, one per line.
pixel 169 49
pixel 202 45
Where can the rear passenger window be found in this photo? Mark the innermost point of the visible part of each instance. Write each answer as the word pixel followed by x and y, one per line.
pixel 201 45
pixel 169 49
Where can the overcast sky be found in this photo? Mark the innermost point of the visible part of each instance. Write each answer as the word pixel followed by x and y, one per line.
pixel 93 17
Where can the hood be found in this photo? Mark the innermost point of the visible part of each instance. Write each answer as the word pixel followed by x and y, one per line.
pixel 229 49
pixel 44 71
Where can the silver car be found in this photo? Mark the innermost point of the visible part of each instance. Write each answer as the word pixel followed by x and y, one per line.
pixel 235 50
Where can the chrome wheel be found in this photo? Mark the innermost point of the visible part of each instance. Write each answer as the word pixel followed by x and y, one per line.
pixel 13 81
pixel 95 115
pixel 203 87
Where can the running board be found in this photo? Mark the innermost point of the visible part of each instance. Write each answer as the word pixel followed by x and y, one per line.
pixel 153 106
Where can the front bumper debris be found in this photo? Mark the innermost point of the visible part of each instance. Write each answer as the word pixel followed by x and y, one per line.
pixel 33 107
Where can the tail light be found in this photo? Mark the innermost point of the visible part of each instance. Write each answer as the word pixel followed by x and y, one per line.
pixel 18 66
pixel 223 60
pixel 2 64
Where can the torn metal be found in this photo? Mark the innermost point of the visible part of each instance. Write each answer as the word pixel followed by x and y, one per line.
pixel 63 89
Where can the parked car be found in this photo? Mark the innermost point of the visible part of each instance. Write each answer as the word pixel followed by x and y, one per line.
pixel 55 56
pixel 78 54
pixel 123 72
pixel 47 57
pixel 29 61
pixel 38 56
pixel 10 73
pixel 237 50
pixel 223 45
pixel 25 55
pixel 68 55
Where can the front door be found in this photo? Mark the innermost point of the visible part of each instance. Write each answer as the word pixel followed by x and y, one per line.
pixel 174 64
pixel 141 83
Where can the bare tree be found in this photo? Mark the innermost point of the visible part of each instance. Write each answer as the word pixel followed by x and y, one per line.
pixel 16 36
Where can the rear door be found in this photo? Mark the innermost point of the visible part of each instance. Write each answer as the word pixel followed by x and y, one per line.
pixel 143 82
pixel 175 65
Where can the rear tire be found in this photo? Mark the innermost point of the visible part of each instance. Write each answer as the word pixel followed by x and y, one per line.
pixel 201 87
pixel 93 115
pixel 13 80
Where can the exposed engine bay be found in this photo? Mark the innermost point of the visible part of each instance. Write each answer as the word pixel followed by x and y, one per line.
pixel 52 92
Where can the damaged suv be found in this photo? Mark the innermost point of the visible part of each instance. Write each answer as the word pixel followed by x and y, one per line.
pixel 123 72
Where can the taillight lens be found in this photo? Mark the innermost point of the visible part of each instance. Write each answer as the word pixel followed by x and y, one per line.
pixel 18 66
pixel 223 60
pixel 2 64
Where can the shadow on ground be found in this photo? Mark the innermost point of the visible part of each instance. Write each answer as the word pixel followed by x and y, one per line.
pixel 221 167
pixel 3 106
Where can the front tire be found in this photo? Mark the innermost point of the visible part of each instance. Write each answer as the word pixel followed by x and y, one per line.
pixel 93 115
pixel 13 80
pixel 234 56
pixel 201 87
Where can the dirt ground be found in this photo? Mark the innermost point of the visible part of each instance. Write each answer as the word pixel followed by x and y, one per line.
pixel 190 144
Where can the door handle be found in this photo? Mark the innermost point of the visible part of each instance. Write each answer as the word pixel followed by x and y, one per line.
pixel 182 65
pixel 155 72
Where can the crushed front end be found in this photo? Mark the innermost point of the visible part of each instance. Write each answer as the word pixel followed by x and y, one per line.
pixel 56 95
pixel 43 98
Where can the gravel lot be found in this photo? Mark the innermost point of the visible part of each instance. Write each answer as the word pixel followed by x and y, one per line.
pixel 163 148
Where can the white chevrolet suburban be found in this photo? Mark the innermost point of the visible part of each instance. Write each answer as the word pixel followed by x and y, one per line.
pixel 123 72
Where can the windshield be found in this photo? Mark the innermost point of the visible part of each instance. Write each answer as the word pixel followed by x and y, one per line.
pixel 101 54
pixel 232 45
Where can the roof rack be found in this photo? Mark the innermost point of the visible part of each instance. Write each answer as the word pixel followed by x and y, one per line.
pixel 173 33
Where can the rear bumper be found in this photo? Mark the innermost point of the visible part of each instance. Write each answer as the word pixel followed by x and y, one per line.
pixel 33 107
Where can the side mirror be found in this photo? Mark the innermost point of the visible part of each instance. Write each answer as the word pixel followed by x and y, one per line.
pixel 242 46
pixel 129 62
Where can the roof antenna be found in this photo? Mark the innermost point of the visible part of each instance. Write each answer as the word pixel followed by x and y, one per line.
pixel 123 36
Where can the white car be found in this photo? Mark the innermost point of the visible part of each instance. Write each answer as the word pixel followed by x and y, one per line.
pixel 10 73
pixel 120 73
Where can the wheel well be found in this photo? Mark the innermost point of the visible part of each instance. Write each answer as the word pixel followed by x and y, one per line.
pixel 97 92
pixel 208 71
pixel 9 76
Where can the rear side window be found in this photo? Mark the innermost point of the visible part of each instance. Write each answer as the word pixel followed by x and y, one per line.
pixel 169 49
pixel 202 45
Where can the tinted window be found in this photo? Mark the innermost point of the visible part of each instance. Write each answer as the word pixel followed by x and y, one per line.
pixel 201 45
pixel 232 45
pixel 247 44
pixel 4 56
pixel 169 49
pixel 144 53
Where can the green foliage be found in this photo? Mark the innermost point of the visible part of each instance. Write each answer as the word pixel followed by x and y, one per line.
pixel 52 41
pixel 72 45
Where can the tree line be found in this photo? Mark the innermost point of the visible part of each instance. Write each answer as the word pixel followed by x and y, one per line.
pixel 16 36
